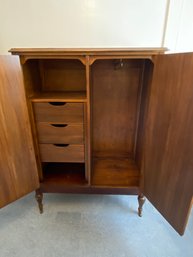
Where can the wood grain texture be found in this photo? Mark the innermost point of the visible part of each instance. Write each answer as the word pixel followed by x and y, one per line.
pixel 64 174
pixel 87 123
pixel 80 53
pixel 102 90
pixel 63 75
pixel 69 97
pixel 58 133
pixel 115 94
pixel 70 178
pixel 18 170
pixel 168 162
pixel 140 137
pixel 32 82
pixel 32 78
pixel 61 153
pixel 67 113
pixel 79 189
pixel 83 51
pixel 114 172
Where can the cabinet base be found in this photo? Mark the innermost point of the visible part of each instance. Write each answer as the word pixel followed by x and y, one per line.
pixel 91 190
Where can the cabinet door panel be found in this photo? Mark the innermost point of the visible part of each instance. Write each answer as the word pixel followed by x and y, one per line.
pixel 168 155
pixel 18 171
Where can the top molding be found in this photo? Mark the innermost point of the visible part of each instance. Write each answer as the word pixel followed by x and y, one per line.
pixel 85 51
pixel 86 55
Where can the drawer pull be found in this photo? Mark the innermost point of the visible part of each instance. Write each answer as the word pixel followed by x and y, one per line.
pixel 57 103
pixel 59 125
pixel 61 145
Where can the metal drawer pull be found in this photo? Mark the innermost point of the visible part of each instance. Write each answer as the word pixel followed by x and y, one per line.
pixel 57 103
pixel 59 125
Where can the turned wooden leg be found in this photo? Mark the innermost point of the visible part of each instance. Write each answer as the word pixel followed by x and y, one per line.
pixel 141 201
pixel 39 197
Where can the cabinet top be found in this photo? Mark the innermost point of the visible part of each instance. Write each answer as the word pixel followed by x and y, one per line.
pixel 82 53
pixel 86 51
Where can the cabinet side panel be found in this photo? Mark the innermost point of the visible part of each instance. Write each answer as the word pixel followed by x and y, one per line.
pixel 168 162
pixel 18 171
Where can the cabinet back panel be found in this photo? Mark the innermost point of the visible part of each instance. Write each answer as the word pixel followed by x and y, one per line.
pixel 115 106
pixel 63 75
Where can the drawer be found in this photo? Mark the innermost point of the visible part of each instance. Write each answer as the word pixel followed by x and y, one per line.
pixel 59 112
pixel 61 153
pixel 60 133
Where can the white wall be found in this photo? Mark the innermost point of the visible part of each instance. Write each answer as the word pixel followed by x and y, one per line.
pixel 81 23
pixel 179 33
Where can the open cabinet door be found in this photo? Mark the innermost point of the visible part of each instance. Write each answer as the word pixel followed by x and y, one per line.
pixel 168 151
pixel 18 171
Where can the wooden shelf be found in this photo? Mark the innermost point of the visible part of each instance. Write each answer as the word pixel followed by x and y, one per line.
pixel 66 174
pixel 59 97
pixel 115 172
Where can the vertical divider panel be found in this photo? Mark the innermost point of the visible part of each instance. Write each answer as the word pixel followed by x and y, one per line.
pixel 87 120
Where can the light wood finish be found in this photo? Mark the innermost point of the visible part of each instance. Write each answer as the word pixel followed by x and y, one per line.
pixel 168 162
pixel 54 112
pixel 18 170
pixel 119 172
pixel 69 97
pixel 61 153
pixel 58 133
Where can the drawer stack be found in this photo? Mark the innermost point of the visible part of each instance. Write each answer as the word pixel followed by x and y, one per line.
pixel 60 129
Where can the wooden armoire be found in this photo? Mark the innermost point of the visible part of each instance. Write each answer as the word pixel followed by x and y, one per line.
pixel 102 121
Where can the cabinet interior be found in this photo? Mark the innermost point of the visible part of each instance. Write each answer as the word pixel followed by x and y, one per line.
pixel 55 78
pixel 64 173
pixel 116 87
pixel 113 113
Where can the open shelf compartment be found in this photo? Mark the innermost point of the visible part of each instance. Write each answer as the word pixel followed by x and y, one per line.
pixel 116 87
pixel 114 172
pixel 65 174
pixel 55 80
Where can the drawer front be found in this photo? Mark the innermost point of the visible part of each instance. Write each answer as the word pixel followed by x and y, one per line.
pixel 61 153
pixel 58 133
pixel 59 112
